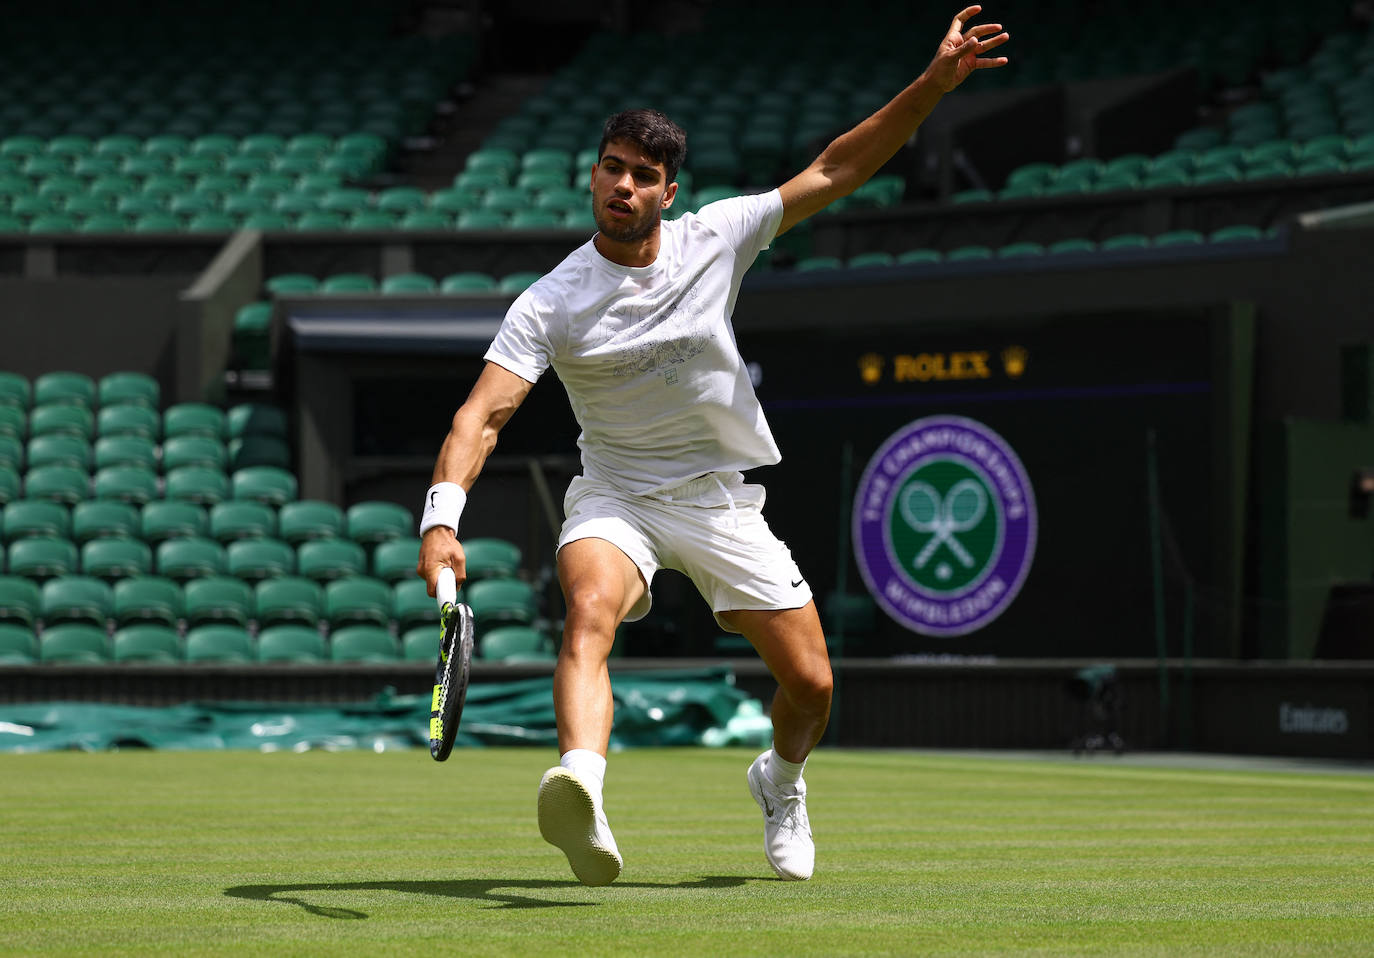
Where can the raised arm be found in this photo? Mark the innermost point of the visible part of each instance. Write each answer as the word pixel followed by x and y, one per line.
pixel 851 159
pixel 494 398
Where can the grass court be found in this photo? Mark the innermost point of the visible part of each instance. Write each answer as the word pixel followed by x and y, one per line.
pixel 919 853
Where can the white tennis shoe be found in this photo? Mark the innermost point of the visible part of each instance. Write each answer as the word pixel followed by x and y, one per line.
pixel 571 819
pixel 787 842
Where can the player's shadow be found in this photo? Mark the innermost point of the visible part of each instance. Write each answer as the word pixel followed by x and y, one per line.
pixel 501 892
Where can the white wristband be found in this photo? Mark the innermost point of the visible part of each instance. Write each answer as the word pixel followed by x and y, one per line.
pixel 443 506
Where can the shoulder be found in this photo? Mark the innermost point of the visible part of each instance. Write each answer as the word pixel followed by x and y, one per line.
pixel 736 215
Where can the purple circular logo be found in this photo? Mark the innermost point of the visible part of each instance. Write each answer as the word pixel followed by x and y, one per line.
pixel 944 525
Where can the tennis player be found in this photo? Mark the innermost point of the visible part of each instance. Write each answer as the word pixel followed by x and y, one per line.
pixel 637 325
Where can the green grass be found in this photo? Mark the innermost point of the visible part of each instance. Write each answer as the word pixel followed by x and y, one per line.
pixel 918 853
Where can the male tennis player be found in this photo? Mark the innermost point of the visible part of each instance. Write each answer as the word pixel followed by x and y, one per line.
pixel 636 323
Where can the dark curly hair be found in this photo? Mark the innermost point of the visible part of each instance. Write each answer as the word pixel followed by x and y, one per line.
pixel 662 140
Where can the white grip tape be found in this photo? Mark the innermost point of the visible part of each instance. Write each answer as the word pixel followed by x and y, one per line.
pixel 443 506
pixel 446 589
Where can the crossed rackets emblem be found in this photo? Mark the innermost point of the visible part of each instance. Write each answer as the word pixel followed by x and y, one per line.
pixel 959 510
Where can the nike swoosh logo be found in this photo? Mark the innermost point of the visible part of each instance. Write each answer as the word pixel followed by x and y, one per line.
pixel 431 498
pixel 767 805
pixel 797 583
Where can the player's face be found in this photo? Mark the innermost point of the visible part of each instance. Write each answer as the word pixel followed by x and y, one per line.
pixel 629 193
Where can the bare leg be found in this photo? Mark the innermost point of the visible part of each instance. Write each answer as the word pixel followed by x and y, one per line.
pixel 601 585
pixel 792 645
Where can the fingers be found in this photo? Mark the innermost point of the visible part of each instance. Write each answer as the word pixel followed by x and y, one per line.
pixel 997 41
pixel 982 30
pixel 963 16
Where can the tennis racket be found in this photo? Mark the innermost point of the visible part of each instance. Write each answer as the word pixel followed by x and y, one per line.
pixel 451 674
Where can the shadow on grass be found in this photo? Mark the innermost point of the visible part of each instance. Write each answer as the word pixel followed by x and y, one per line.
pixel 496 890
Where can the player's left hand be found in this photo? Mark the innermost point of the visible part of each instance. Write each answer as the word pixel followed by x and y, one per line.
pixel 961 52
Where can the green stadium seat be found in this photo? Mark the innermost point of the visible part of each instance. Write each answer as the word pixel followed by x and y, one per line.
pixel 965 253
pixel 57 449
pixel 190 558
pixel 276 487
pixel 147 599
pixel 21 600
pixel 497 602
pixel 251 335
pixel 357 598
pixel 193 419
pixel 1166 178
pixel 307 519
pixel 146 643
pixel 128 387
pixel 255 419
pixel 515 643
pixel 362 643
pixel 61 418
pixel 127 419
pixel 1179 238
pixel 482 219
pixel 288 600
pixel 132 484
pixel 453 201
pixel 255 559
pixel 869 260
pixel 420 643
pixel 242 519
pixel 116 558
pixel 217 600
pixel 18 644
pixel 11 453
pixel 76 598
pixel 15 390
pixel 518 282
pixel 229 644
pixel 212 222
pixel 125 451
pixel 1124 241
pixel 73 643
pixel 267 221
pixel 289 283
pixel 1231 234
pixel 976 195
pixel 1020 250
pixel 290 643
pixel 489 558
pixel 203 485
pixel 426 220
pixel 14 422
pixel 97 519
pixel 371 522
pixel 327 559
pixel 53 223
pixel 76 389
pixel 157 223
pixel 163 519
pixel 920 256
pixel 249 451
pixel 412 605
pixel 365 220
pixel 468 283
pixel 348 283
pixel 25 518
pixel 10 483
pixel 396 559
pixel 401 199
pixel 193 450
pixel 65 484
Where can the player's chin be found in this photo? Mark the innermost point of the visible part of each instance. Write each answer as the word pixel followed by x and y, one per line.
pixel 625 231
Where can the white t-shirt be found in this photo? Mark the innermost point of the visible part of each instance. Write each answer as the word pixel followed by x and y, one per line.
pixel 648 355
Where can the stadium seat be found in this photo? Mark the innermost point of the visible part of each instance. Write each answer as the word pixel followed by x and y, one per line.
pixel 193 419
pixel 219 643
pixel 146 643
pixel 190 558
pixel 11 453
pixel 10 483
pixel 246 452
pixel 868 260
pixel 357 598
pixel 255 419
pixel 420 644
pixel 489 558
pixel 1179 238
pixel 76 598
pixel 290 643
pixel 362 643
pixel 1124 241
pixel 396 559
pixel 811 264
pixel 73 643
pixel 291 283
pixel 327 559
pixel 276 487
pixel 371 522
pixel 18 644
pixel 218 600
pixel 1231 234
pixel 193 450
pixel 288 600
pixel 518 282
pixel 349 283
pixel 125 451
pixel 306 519
pixel 129 387
pixel 242 519
pixel 14 422
pixel 147 599
pixel 515 643
pixel 64 418
pixel 919 256
pixel 497 602
pixel 116 558
pixel 163 519
pixel 35 517
pixel 966 253
pixel 42 557
pixel 412 605
pixel 65 484
pixel 255 559
pixel 1015 250
pixel 15 390
pixel 65 388
pixel 21 600
pixel 468 283
pixel 132 484
pixel 202 485
pixel 128 419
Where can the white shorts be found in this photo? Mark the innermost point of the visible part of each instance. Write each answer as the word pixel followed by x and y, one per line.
pixel 711 529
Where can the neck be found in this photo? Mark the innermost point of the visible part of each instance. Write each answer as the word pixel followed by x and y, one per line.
pixel 640 252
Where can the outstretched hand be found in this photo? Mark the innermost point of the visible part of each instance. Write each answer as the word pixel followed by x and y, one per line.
pixel 960 52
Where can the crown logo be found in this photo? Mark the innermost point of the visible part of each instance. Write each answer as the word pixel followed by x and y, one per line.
pixel 870 368
pixel 1014 359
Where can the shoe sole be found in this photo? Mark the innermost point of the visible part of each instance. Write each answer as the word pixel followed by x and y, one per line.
pixel 567 820
pixel 756 791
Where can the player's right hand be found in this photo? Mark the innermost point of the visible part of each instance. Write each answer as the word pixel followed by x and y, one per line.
pixel 440 548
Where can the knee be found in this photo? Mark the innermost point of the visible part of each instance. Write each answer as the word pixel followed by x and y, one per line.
pixel 591 619
pixel 811 690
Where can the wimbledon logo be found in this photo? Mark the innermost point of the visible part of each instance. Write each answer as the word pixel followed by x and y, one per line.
pixel 944 525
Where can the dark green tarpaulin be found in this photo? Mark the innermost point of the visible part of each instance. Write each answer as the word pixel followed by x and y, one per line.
pixel 651 708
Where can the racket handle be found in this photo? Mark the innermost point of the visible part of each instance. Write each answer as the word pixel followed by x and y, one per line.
pixel 446 589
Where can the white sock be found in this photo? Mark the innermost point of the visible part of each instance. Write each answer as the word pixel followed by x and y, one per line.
pixel 589 766
pixel 782 772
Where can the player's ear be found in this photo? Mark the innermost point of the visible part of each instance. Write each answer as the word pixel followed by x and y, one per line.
pixel 668 195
